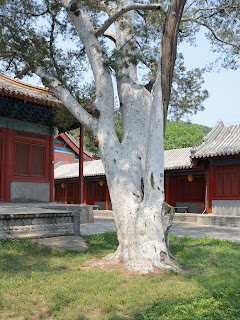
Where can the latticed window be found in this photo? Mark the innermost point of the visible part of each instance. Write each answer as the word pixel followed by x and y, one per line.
pixel 219 182
pixel 29 160
pixel 236 182
pixel 227 182
pixel 37 160
pixel 22 159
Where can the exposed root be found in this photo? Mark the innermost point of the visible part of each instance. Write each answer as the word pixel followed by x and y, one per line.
pixel 115 256
pixel 129 268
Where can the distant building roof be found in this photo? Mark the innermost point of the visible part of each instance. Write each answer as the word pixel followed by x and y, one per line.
pixel 221 140
pixel 177 159
pixel 90 168
pixel 22 90
pixel 174 159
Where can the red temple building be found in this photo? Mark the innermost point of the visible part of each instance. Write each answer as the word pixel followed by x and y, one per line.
pixel 26 142
pixel 219 155
pixel 27 128
pixel 203 179
pixel 66 149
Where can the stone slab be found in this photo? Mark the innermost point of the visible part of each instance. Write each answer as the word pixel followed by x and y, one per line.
pixel 62 243
pixel 208 219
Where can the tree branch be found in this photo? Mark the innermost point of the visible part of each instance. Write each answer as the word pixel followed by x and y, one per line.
pixel 23 72
pixel 168 52
pixel 104 103
pixel 124 9
pixel 61 92
pixel 212 31
pixel 110 35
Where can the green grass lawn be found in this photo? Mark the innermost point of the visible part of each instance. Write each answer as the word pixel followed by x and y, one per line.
pixel 41 284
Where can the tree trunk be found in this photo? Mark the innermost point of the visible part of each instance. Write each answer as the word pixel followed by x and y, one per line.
pixel 135 167
pixel 142 232
pixel 135 175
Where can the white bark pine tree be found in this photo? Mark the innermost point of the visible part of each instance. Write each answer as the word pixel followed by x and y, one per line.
pixel 135 166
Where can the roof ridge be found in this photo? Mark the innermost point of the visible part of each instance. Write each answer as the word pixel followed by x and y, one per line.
pixel 215 131
pixel 209 137
pixel 23 84
pixel 77 144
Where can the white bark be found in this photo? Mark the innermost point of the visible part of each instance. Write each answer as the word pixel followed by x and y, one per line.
pixel 135 167
pixel 67 99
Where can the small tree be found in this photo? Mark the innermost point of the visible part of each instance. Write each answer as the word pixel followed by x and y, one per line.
pixel 140 31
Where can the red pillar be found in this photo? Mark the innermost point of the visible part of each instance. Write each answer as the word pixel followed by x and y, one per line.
pixel 66 193
pixel 107 197
pixel 210 188
pixel 85 193
pixel 51 167
pixel 80 198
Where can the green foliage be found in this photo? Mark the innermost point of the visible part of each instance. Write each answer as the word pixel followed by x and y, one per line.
pixel 39 32
pixel 187 96
pixel 43 284
pixel 88 140
pixel 182 135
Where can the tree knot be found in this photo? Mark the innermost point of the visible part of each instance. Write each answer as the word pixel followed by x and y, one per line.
pixel 96 113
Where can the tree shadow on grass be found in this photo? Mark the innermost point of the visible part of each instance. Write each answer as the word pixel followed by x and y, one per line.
pixel 218 263
pixel 17 255
pixel 21 255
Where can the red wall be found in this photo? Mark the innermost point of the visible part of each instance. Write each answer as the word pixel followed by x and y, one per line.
pixel 68 192
pixel 179 189
pixel 25 157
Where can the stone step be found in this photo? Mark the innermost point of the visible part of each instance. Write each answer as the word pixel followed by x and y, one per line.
pixel 208 219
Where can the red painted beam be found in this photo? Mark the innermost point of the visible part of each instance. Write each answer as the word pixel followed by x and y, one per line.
pixel 81 195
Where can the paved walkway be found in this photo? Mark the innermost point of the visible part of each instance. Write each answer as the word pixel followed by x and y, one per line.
pixel 101 224
pixel 181 229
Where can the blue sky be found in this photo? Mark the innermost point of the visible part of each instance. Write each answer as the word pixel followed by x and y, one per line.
pixel 223 86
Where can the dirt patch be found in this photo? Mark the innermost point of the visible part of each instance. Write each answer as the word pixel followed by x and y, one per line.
pixel 96 314
pixel 108 265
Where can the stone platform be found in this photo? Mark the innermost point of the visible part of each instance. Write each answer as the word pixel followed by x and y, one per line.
pixel 42 220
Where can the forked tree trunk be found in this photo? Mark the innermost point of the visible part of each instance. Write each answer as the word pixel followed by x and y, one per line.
pixel 135 175
pixel 135 167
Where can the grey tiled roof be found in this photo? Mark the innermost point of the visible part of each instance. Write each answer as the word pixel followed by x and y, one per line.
pixel 23 90
pixel 177 159
pixel 174 159
pixel 90 168
pixel 221 140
